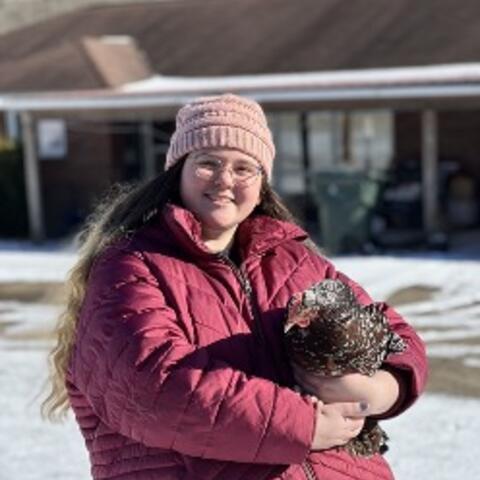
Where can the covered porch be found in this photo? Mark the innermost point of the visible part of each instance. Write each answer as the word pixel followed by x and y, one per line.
pixel 363 120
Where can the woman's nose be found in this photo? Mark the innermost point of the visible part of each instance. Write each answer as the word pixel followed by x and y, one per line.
pixel 225 177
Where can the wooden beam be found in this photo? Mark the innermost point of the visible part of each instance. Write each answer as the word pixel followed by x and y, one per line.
pixel 32 179
pixel 430 171
pixel 310 209
pixel 149 169
pixel 307 175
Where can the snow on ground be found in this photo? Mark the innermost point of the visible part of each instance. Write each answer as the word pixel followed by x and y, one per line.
pixel 32 449
pixel 22 315
pixel 382 276
pixel 451 314
pixel 34 266
pixel 434 439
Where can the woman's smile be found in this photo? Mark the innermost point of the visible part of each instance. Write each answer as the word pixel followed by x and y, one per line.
pixel 220 199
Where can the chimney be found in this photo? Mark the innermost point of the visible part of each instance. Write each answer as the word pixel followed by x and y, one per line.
pixel 117 59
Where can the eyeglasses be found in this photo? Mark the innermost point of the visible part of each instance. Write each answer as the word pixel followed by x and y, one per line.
pixel 243 172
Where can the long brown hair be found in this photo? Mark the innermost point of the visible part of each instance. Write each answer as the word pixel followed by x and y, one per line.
pixel 121 213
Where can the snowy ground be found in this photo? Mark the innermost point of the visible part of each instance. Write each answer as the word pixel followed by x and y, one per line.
pixel 433 440
pixel 450 316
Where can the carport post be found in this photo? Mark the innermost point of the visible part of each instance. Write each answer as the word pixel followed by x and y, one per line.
pixel 430 170
pixel 32 179
pixel 148 170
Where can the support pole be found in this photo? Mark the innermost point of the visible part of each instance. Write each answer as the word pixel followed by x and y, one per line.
pixel 148 150
pixel 11 121
pixel 310 209
pixel 430 171
pixel 32 179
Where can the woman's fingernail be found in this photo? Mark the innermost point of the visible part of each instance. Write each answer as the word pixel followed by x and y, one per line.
pixel 364 406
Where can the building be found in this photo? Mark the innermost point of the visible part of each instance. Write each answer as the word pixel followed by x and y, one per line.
pixel 345 84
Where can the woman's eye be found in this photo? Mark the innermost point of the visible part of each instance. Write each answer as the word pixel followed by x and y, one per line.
pixel 245 170
pixel 210 164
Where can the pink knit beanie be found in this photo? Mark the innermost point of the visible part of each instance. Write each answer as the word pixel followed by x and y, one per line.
pixel 223 121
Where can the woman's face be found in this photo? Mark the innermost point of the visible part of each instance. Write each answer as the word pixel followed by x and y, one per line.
pixel 209 190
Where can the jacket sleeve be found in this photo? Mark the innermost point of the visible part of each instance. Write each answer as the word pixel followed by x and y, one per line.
pixel 410 366
pixel 143 378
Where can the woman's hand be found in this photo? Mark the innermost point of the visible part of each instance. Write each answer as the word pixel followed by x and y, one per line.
pixel 337 423
pixel 380 391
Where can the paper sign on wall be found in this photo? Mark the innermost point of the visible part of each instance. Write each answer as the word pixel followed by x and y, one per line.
pixel 52 138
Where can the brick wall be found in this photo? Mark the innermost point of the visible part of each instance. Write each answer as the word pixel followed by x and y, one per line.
pixel 71 186
pixel 459 140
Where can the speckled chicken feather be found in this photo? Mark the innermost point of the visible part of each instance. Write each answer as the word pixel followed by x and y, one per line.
pixel 328 333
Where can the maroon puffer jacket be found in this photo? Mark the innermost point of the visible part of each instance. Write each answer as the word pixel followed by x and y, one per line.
pixel 178 370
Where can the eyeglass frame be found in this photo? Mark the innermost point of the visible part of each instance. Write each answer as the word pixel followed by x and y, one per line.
pixel 241 183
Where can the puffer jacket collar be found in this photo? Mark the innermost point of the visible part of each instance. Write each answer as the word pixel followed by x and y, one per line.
pixel 255 236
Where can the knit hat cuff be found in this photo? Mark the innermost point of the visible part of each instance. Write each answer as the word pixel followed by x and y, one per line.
pixel 221 136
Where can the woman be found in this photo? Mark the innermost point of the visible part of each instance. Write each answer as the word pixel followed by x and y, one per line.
pixel 170 351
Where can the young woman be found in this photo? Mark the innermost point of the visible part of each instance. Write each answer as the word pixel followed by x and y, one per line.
pixel 170 350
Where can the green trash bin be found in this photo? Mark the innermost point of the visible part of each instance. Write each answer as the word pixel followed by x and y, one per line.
pixel 345 199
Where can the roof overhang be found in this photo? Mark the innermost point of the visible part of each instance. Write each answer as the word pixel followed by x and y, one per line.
pixel 412 86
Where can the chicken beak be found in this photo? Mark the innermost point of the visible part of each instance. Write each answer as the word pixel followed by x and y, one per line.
pixel 287 327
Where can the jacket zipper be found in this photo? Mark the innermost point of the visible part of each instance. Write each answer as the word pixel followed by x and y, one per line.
pixel 308 469
pixel 247 288
pixel 257 330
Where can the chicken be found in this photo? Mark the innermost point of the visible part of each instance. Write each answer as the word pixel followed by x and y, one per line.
pixel 328 333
